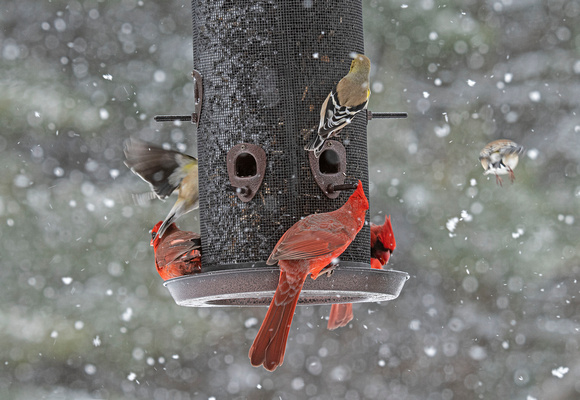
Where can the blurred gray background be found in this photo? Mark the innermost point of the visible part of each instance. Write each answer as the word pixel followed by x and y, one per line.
pixel 491 310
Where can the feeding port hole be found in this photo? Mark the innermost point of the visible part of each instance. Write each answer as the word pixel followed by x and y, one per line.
pixel 329 162
pixel 246 165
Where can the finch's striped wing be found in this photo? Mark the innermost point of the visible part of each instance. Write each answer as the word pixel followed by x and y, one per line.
pixel 336 116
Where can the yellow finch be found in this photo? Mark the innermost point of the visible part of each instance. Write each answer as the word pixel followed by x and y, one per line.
pixel 500 157
pixel 347 98
pixel 166 171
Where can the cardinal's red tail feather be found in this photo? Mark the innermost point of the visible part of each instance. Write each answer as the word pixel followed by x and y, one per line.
pixel 340 315
pixel 270 343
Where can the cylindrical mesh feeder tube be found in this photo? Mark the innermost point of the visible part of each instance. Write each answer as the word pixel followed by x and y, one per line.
pixel 267 67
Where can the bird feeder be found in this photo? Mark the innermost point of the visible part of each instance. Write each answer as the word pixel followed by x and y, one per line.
pixel 262 72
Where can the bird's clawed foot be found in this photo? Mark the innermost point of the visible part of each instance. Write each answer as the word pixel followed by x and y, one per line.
pixel 329 269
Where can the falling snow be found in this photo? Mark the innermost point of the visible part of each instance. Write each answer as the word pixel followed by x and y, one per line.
pixel 442 131
pixel 127 315
pixel 465 216
pixel 519 232
pixel 430 351
pixel 532 154
pixel 560 372
pixel 535 96
pixel 452 224
pixel 90 369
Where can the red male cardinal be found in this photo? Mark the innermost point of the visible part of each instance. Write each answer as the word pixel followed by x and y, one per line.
pixel 177 252
pixel 306 248
pixel 382 246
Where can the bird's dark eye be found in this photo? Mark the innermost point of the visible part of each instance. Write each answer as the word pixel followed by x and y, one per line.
pixel 153 234
pixel 381 247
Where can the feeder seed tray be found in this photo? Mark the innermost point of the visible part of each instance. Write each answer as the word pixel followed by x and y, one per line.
pixel 256 287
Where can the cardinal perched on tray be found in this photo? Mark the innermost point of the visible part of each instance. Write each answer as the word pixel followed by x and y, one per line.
pixel 166 171
pixel 382 246
pixel 177 253
pixel 500 157
pixel 345 100
pixel 307 247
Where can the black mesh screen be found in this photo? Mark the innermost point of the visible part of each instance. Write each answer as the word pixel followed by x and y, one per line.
pixel 267 67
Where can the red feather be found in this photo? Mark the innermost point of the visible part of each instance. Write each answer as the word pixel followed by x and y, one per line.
pixel 306 248
pixel 177 252
pixel 382 246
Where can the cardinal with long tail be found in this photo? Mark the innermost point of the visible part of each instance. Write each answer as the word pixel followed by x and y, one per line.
pixel 308 247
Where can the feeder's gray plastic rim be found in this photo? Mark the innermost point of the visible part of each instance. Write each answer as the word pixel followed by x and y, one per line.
pixel 256 287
